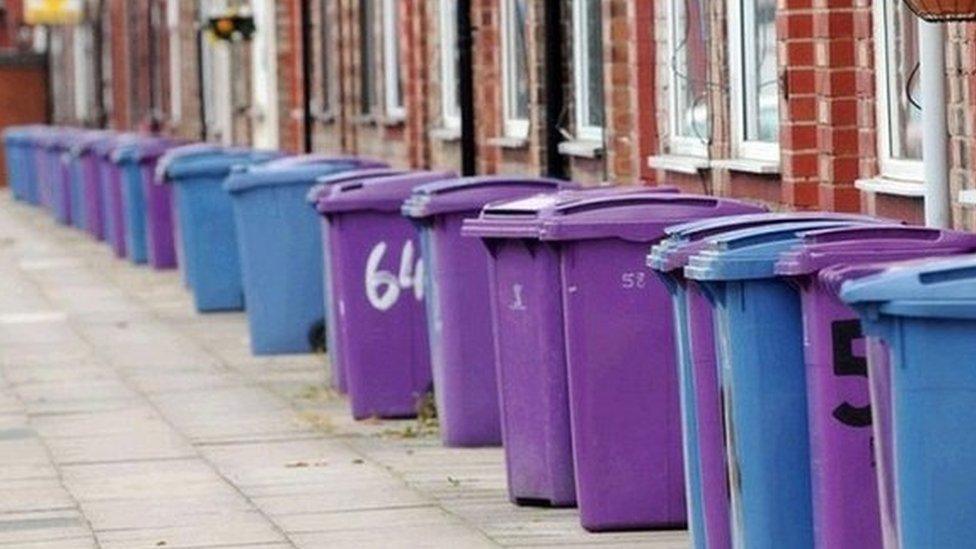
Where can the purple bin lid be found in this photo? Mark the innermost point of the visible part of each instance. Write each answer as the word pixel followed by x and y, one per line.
pixel 636 217
pixel 876 243
pixel 382 194
pixel 470 194
pixel 522 218
pixel 322 184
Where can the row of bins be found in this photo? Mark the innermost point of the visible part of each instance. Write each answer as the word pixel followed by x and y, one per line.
pixel 654 358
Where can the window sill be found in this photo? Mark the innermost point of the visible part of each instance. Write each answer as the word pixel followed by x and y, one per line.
pixel 689 165
pixel 896 187
pixel 392 120
pixel 747 165
pixel 508 142
pixel 583 148
pixel 364 120
pixel 324 117
pixel 967 197
pixel 446 134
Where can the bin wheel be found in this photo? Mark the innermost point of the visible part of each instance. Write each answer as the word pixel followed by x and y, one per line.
pixel 316 337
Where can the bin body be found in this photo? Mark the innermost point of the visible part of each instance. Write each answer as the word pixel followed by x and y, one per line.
pixel 337 376
pixel 61 175
pixel 281 254
pixel 110 191
pixel 205 216
pixel 458 300
pixel 926 314
pixel 759 323
pixel 94 202
pixel 623 379
pixel 377 274
pixel 18 143
pixel 133 202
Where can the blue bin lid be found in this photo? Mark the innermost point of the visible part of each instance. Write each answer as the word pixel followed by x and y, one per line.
pixel 141 149
pixel 636 217
pixel 522 218
pixel 933 288
pixel 104 148
pixel 205 160
pixel 751 254
pixel 87 143
pixel 865 244
pixel 292 170
pixel 21 135
pixel 322 184
pixel 470 194
pixel 382 194
pixel 687 239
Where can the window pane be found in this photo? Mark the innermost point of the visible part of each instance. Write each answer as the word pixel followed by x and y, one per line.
pixel 762 82
pixel 520 100
pixel 449 60
pixel 325 19
pixel 594 63
pixel 394 74
pixel 690 69
pixel 905 119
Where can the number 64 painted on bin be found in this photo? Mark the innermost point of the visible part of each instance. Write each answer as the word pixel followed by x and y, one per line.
pixel 383 287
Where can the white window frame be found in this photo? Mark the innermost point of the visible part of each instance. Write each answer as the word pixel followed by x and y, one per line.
pixel 450 109
pixel 582 73
pixel 393 95
pixel 512 125
pixel 739 41
pixel 83 49
pixel 890 167
pixel 681 145
pixel 175 61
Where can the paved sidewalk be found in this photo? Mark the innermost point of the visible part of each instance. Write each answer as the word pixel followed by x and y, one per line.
pixel 127 420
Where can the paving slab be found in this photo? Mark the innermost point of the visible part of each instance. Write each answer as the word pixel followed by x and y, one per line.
pixel 129 420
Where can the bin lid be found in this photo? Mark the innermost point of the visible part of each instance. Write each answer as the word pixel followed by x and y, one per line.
pixel 636 217
pixel 522 218
pixel 21 135
pixel 820 249
pixel 934 288
pixel 292 170
pixel 142 150
pixel 687 239
pixel 62 140
pixel 104 148
pixel 87 143
pixel 752 253
pixel 323 183
pixel 381 194
pixel 470 194
pixel 834 277
pixel 201 160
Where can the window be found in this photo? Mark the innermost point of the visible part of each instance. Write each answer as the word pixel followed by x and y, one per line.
pixel 588 69
pixel 391 60
pixel 451 111
pixel 83 47
pixel 754 79
pixel 175 62
pixel 367 66
pixel 688 80
pixel 326 59
pixel 899 115
pixel 515 77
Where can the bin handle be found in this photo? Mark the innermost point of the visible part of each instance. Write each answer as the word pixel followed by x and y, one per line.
pixel 597 203
pixel 873 232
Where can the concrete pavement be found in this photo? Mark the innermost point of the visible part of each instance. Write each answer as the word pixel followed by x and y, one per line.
pixel 127 420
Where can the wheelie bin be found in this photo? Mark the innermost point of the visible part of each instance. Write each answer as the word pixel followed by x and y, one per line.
pixel 377 275
pixel 280 249
pixel 205 217
pixel 458 301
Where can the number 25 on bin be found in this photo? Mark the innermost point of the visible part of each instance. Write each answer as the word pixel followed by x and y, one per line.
pixel 383 287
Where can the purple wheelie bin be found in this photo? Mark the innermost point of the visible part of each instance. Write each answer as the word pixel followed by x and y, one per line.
pixel 160 230
pixel 530 360
pixel 458 301
pixel 94 202
pixel 378 278
pixel 337 376
pixel 110 183
pixel 622 378
pixel 702 415
pixel 844 483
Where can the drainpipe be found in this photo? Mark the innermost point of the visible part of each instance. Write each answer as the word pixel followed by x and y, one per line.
pixel 935 130
pixel 553 82
pixel 306 25
pixel 465 41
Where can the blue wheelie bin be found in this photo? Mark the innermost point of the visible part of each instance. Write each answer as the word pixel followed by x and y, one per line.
pixel 280 248
pixel 205 220
pixel 760 354
pixel 926 314
pixel 19 163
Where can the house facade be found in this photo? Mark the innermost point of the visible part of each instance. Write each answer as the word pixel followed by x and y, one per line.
pixel 801 104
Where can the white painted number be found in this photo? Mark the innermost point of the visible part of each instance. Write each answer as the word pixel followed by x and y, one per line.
pixel 383 287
